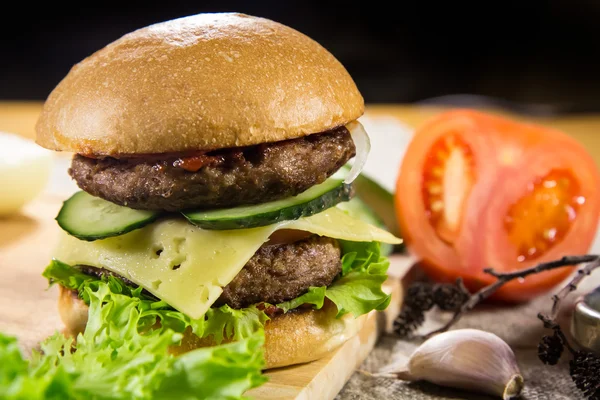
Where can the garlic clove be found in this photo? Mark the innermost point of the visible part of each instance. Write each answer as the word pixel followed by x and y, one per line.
pixel 468 359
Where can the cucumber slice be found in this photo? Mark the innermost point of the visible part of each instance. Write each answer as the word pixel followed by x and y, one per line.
pixel 91 218
pixel 378 199
pixel 309 202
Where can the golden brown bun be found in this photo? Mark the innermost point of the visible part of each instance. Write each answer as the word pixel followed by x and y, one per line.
pixel 73 311
pixel 202 82
pixel 291 338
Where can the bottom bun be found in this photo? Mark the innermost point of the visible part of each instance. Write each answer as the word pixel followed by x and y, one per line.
pixel 292 338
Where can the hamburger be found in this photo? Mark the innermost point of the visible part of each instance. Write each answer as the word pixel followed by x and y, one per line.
pixel 214 153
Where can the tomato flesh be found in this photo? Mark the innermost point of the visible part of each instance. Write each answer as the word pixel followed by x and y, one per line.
pixel 448 176
pixel 542 217
pixel 480 191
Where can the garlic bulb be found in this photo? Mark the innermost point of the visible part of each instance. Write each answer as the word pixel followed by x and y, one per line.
pixel 466 359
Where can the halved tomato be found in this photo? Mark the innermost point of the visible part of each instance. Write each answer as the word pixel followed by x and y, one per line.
pixel 477 190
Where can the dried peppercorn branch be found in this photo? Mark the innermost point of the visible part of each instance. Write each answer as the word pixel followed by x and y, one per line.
pixel 584 367
pixel 423 296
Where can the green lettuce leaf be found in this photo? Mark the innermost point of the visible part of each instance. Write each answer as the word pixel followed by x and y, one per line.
pixel 123 352
pixel 114 359
pixel 228 323
pixel 314 296
pixel 364 270
pixel 224 373
pixel 358 289
pixel 358 255
pixel 359 292
pixel 222 323
pixel 67 276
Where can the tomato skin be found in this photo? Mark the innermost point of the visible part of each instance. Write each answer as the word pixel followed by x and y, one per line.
pixel 409 203
pixel 509 155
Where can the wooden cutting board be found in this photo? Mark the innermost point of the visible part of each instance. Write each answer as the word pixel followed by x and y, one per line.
pixel 28 309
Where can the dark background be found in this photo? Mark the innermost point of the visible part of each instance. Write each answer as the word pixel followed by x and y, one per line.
pixel 541 54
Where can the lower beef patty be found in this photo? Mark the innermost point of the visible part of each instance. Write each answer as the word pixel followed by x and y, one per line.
pixel 277 273
pixel 219 179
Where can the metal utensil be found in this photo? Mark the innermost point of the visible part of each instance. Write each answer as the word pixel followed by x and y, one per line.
pixel 585 326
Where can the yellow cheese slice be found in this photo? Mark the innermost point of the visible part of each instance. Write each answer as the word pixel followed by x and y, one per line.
pixel 187 266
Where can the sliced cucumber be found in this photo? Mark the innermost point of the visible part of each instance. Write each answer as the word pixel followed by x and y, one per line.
pixel 312 201
pixel 380 202
pixel 90 218
pixel 378 199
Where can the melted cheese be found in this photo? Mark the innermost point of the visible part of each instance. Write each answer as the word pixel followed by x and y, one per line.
pixel 187 266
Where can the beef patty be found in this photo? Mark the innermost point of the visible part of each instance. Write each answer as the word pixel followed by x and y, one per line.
pixel 218 179
pixel 276 273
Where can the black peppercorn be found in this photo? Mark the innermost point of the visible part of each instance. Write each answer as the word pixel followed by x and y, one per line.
pixel 419 296
pixel 585 372
pixel 550 349
pixel 407 321
pixel 449 297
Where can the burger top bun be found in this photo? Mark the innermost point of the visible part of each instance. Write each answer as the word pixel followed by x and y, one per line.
pixel 202 82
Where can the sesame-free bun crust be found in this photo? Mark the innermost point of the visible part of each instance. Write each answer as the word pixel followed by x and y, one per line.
pixel 292 338
pixel 202 82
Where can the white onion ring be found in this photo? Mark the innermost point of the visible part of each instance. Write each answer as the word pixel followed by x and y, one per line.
pixel 363 147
